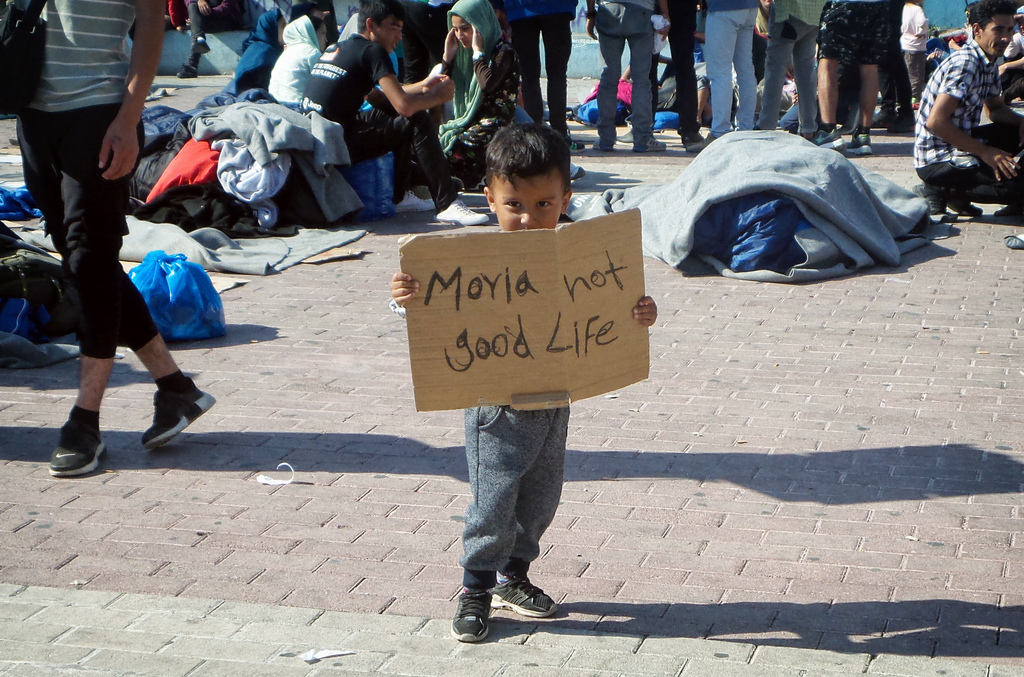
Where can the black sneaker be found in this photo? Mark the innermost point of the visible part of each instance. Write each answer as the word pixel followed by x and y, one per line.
pixel 78 451
pixel 524 598
pixel 935 197
pixel 188 71
pixel 471 619
pixel 963 207
pixel 173 412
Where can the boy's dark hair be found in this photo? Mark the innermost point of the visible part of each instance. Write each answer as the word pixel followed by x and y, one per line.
pixel 378 10
pixel 522 151
pixel 983 12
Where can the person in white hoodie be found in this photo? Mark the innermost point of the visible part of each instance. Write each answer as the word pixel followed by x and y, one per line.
pixel 304 41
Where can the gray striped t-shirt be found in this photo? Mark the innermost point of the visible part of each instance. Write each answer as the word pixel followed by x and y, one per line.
pixel 86 53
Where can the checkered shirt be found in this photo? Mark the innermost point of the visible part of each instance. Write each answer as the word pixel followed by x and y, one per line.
pixel 968 75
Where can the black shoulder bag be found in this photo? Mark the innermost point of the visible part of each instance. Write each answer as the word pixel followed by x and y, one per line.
pixel 22 51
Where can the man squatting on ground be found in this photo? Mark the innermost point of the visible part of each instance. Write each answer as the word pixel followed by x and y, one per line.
pixel 515 458
pixel 959 160
pixel 80 140
pixel 398 121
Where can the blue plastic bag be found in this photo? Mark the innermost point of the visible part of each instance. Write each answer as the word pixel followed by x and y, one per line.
pixel 180 296
pixel 374 183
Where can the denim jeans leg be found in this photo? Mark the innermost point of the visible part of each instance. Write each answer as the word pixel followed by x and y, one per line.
pixel 719 46
pixel 743 62
pixel 607 93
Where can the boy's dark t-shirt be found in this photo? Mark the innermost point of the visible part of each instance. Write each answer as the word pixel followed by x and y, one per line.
pixel 343 77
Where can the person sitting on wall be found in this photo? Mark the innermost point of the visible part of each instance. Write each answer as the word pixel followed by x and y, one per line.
pixel 208 16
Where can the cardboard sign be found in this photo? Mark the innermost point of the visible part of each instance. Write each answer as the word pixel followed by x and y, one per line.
pixel 531 318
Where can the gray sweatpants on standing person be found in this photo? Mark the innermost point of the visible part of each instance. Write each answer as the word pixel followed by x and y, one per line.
pixel 619 23
pixel 790 40
pixel 516 461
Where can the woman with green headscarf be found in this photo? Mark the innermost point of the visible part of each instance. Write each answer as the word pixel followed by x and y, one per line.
pixel 483 67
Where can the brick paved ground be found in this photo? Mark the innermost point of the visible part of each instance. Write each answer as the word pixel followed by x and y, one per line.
pixel 812 476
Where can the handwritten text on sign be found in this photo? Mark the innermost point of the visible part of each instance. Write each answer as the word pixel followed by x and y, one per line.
pixel 533 318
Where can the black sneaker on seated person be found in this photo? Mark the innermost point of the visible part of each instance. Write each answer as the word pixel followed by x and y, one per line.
pixel 935 197
pixel 963 207
pixel 471 622
pixel 172 413
pixel 522 597
pixel 78 451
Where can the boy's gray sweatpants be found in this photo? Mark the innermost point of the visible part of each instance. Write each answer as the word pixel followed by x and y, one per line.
pixel 516 461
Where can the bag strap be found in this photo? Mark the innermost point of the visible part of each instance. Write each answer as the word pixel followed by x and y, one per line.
pixel 32 12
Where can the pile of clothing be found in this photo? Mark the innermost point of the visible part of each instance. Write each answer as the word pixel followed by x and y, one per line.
pixel 245 165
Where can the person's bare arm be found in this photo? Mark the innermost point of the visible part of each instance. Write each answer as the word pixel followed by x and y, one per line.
pixel 120 146
pixel 940 123
pixel 410 99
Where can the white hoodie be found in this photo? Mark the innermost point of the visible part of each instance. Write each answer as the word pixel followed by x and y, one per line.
pixel 301 51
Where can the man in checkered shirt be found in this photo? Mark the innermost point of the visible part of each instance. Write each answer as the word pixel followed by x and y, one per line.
pixel 959 160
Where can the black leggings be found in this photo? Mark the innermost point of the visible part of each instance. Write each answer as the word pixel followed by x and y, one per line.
pixel 85 216
pixel 556 30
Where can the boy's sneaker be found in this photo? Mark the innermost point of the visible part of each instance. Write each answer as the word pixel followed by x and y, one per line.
pixel 461 215
pixel 694 142
pixel 77 452
pixel 173 412
pixel 523 597
pixel 652 146
pixel 413 203
pixel 833 139
pixel 471 619
pixel 861 142
pixel 201 47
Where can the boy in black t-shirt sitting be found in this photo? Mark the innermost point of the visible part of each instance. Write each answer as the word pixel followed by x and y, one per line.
pixel 398 122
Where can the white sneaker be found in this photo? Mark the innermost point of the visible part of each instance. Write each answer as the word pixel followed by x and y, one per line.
pixel 576 172
pixel 411 203
pixel 461 215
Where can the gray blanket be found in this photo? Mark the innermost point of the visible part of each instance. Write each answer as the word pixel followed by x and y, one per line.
pixel 214 250
pixel 20 353
pixel 315 144
pixel 859 218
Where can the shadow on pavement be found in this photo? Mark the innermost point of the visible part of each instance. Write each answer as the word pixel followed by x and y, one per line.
pixel 911 473
pixel 927 628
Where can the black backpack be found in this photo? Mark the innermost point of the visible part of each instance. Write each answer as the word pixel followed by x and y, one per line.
pixel 34 275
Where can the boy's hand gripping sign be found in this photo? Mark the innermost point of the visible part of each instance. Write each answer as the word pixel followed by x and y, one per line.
pixel 534 318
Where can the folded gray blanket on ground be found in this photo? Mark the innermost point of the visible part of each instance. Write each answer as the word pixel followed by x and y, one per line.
pixel 860 218
pixel 315 144
pixel 215 251
pixel 20 353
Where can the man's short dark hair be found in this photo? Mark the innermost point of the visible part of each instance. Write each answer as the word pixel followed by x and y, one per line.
pixel 983 12
pixel 523 151
pixel 379 10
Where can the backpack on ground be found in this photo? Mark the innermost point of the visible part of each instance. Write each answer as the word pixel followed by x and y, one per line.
pixel 37 277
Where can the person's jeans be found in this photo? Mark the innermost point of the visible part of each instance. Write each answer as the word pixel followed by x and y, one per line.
pixel 200 25
pixel 618 24
pixel 556 30
pixel 85 216
pixel 791 39
pixel 729 44
pixel 376 132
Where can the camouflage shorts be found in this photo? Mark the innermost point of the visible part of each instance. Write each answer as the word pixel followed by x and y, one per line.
pixel 854 33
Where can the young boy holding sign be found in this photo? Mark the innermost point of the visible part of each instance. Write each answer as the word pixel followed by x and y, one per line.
pixel 515 457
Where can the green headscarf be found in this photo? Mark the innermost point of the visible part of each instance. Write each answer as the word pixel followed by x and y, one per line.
pixel 480 15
